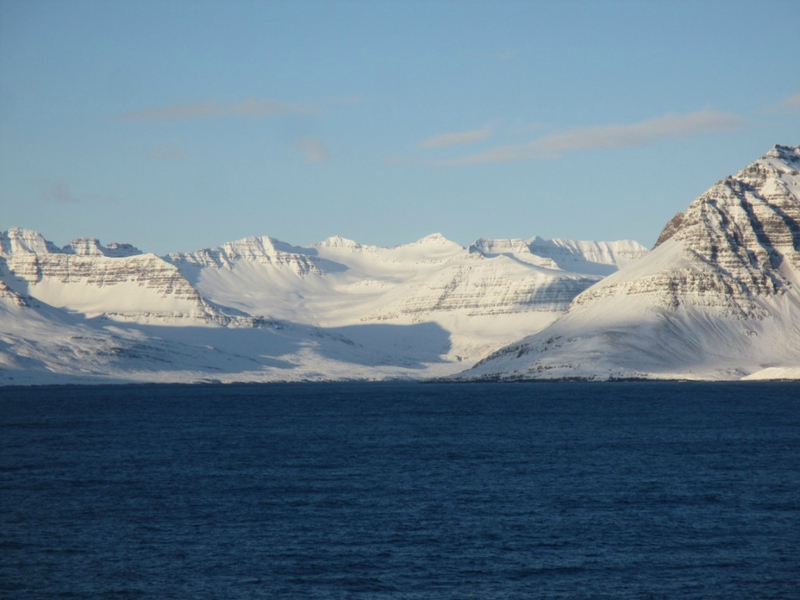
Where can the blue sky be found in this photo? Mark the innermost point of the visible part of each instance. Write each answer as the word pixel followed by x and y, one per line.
pixel 181 125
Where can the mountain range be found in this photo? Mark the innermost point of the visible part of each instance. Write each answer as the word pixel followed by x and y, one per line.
pixel 259 309
pixel 717 298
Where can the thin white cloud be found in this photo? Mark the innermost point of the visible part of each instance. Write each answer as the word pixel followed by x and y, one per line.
pixel 789 105
pixel 458 138
pixel 644 132
pixel 250 107
pixel 313 150
pixel 606 136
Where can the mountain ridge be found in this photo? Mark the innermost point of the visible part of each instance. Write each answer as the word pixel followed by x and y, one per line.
pixel 415 310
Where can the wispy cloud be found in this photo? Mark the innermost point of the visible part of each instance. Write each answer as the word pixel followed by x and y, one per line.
pixel 637 134
pixel 606 136
pixel 313 150
pixel 457 138
pixel 790 105
pixel 250 107
pixel 57 193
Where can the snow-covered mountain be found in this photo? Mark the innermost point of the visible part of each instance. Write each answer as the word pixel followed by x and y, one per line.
pixel 717 298
pixel 259 309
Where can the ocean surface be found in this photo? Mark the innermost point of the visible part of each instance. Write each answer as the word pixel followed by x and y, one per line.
pixel 627 490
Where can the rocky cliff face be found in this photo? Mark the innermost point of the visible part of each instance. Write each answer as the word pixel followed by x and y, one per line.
pixel 718 294
pixel 93 247
pixel 262 250
pixel 116 281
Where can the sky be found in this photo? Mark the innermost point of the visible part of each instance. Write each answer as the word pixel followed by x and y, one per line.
pixel 180 125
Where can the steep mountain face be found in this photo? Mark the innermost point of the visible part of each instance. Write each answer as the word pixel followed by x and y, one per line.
pixel 718 297
pixel 261 309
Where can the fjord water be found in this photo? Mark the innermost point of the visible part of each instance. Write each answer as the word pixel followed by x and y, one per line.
pixel 547 490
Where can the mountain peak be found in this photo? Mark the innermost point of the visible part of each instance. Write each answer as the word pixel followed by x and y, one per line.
pixel 718 298
pixel 788 154
pixel 435 238
pixel 337 241
pixel 26 241
pixel 86 246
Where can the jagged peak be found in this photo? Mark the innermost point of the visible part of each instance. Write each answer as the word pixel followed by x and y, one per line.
pixel 85 246
pixel 786 153
pixel 121 250
pixel 27 241
pixel 780 161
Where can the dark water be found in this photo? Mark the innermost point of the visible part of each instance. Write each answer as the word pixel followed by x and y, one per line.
pixel 375 491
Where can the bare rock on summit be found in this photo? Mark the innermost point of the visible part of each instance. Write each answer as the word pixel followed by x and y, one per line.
pixel 672 227
pixel 93 247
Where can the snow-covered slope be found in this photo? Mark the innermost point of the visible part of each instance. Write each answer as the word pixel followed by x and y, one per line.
pixel 717 298
pixel 260 309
